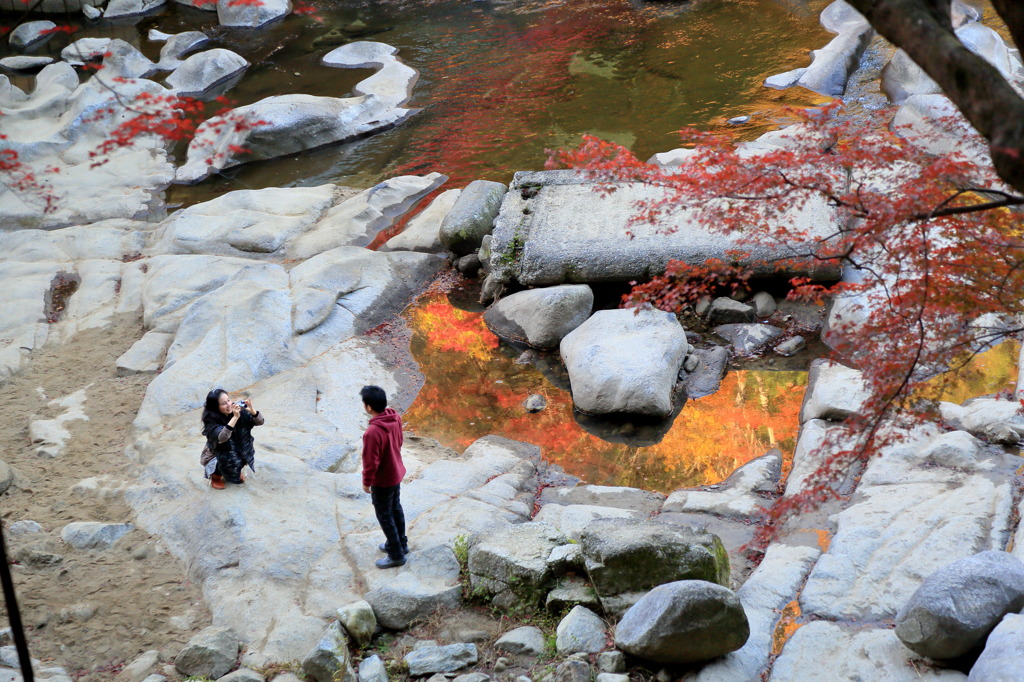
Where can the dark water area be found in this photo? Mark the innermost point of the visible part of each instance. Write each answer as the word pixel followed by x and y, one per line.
pixel 502 82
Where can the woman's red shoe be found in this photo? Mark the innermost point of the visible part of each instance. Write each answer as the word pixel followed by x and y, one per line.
pixel 217 481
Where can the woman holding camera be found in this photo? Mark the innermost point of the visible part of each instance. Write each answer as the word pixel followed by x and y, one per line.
pixel 227 425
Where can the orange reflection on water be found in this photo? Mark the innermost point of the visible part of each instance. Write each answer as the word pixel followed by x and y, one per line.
pixel 993 371
pixel 473 387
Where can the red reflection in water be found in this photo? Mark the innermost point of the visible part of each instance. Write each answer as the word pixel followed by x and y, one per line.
pixel 473 389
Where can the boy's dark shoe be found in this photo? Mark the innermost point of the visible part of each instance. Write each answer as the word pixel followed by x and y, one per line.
pixel 384 548
pixel 388 562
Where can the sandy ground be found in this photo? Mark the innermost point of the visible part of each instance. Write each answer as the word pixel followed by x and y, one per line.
pixel 140 594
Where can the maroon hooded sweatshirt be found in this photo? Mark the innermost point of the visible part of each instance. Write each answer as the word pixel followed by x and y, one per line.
pixel 382 450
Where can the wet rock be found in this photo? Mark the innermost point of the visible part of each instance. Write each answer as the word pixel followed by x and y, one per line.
pixel 292 123
pixel 644 501
pixel 834 392
pixel 372 669
pixel 625 559
pixel 1003 657
pixel 31 33
pixel 955 608
pixel 535 403
pixel 252 15
pixel 422 234
pixel 128 8
pixel 785 80
pixel 683 622
pixel 844 652
pixel 468 265
pixel 625 362
pixel 512 564
pixel 524 641
pixel 212 652
pixel 791 346
pixel 748 338
pixel 146 355
pixel 581 630
pixel 94 535
pixel 441 659
pixel 832 65
pixel 724 310
pixel 201 72
pixel 707 376
pixel 358 621
pixel 25 63
pixel 123 60
pixel 541 317
pixel 91 12
pixel 329 659
pixel 176 46
pixel 472 216
pixel 84 50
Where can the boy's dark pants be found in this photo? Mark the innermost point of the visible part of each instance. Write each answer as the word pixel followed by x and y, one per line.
pixel 388 506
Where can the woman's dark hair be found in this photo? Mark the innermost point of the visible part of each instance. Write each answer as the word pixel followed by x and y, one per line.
pixel 211 409
pixel 375 397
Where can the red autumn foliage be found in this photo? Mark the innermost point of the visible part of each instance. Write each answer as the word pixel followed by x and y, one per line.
pixel 933 242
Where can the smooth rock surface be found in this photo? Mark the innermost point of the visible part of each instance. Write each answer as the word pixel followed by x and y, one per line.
pixel 851 654
pixel 1003 657
pixel 748 338
pixel 423 231
pixel 834 392
pixel 541 317
pixel 205 70
pixel 30 33
pixel 625 362
pixel 251 15
pixel 911 516
pixel 527 640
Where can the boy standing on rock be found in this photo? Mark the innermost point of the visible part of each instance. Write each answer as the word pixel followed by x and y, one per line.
pixel 383 471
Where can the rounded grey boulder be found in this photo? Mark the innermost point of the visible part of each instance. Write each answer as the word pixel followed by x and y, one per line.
pixel 955 608
pixel 683 622
pixel 472 216
pixel 541 317
pixel 1003 657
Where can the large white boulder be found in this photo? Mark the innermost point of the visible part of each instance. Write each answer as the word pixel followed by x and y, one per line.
pixel 250 14
pixel 625 362
pixel 286 124
pixel 203 71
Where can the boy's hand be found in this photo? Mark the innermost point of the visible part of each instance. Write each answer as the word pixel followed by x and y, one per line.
pixel 366 488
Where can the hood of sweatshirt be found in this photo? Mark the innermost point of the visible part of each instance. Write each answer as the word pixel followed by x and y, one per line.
pixel 388 420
